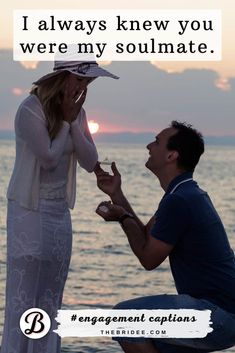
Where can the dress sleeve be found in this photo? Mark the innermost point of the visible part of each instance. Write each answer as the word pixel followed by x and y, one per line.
pixel 30 125
pixel 85 149
pixel 172 219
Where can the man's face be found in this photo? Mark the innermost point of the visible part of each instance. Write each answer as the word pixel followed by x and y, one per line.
pixel 159 154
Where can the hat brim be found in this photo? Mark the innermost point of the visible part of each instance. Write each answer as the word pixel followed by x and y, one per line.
pixel 92 73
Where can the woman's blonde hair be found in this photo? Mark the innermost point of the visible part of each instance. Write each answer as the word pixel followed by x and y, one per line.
pixel 50 93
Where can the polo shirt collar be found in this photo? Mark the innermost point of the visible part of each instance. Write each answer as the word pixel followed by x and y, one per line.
pixel 178 179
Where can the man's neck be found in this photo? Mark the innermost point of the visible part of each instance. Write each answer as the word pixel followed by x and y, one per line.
pixel 167 177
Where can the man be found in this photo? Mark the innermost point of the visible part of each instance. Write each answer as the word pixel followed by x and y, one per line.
pixel 187 228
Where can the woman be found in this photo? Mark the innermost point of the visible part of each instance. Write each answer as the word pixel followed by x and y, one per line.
pixel 51 136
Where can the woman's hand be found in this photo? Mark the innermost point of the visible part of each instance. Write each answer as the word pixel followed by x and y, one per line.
pixel 72 102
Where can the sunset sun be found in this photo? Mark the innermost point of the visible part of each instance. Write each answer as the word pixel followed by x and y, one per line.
pixel 93 126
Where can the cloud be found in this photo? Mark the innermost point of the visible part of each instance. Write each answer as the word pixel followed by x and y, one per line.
pixel 17 91
pixel 145 98
pixel 31 65
pixel 223 84
pixel 149 98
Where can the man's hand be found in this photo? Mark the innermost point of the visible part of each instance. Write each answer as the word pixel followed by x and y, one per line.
pixel 110 212
pixel 98 170
pixel 109 184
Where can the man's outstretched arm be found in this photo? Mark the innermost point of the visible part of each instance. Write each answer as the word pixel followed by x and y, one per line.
pixel 151 252
pixel 111 185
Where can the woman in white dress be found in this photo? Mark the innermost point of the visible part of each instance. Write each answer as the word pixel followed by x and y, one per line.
pixel 52 135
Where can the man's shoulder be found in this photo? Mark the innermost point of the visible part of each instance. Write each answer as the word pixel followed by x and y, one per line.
pixel 190 190
pixel 183 197
pixel 173 202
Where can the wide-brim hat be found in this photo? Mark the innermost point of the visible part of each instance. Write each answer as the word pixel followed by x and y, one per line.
pixel 78 68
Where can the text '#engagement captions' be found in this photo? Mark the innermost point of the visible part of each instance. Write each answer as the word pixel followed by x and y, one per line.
pixel 182 323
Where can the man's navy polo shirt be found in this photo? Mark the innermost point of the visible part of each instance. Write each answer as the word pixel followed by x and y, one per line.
pixel 202 262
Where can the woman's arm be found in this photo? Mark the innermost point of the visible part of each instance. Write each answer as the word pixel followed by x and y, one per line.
pixel 31 127
pixel 85 149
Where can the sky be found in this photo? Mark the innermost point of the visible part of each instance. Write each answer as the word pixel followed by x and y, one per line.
pixel 148 95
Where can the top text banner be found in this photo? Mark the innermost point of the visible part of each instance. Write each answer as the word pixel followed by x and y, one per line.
pixel 118 35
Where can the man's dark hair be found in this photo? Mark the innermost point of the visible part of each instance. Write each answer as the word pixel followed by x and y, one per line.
pixel 188 142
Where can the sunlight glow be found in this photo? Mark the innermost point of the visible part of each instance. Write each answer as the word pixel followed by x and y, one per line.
pixel 93 126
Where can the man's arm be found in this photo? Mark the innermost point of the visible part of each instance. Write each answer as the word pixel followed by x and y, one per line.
pixel 111 185
pixel 151 252
pixel 120 200
pixel 172 222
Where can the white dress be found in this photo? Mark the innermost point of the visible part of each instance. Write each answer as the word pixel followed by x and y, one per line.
pixel 39 240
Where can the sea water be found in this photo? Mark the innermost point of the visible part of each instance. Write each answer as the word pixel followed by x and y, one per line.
pixel 103 269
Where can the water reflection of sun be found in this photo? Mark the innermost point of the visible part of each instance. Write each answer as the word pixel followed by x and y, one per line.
pixel 93 126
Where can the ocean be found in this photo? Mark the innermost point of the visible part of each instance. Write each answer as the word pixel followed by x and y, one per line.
pixel 103 269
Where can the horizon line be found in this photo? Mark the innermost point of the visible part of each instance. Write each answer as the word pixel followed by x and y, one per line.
pixel 130 132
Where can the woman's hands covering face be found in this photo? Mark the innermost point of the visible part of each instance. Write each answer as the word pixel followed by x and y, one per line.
pixel 74 97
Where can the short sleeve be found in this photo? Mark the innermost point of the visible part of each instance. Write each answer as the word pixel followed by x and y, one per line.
pixel 172 219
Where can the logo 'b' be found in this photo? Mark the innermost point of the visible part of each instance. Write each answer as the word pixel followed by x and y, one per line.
pixel 35 323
